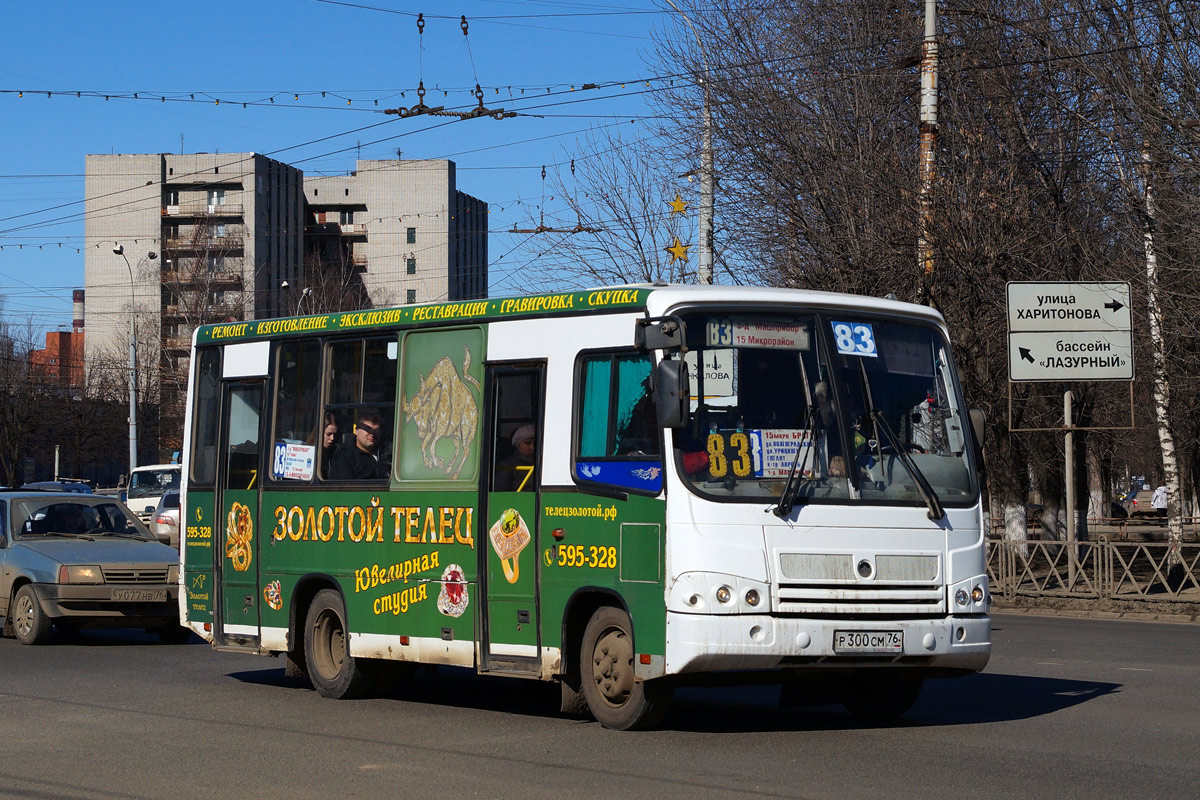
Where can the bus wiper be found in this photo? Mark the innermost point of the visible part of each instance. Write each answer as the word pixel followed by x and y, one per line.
pixel 787 500
pixel 936 511
pixel 932 502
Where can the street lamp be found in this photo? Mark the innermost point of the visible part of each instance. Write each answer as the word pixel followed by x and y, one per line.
pixel 704 267
pixel 133 434
pixel 307 291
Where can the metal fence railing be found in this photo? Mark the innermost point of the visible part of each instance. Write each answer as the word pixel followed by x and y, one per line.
pixel 1117 528
pixel 1102 569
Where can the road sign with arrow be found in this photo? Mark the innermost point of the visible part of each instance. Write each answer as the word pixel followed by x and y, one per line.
pixel 1061 331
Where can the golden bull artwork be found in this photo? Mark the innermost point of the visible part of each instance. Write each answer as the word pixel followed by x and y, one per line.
pixel 445 408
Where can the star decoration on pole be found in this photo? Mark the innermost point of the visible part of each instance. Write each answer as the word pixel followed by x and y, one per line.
pixel 678 205
pixel 678 251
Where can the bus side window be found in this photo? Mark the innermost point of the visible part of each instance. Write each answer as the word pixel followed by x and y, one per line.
pixel 517 434
pixel 297 404
pixel 206 420
pixel 360 396
pixel 618 441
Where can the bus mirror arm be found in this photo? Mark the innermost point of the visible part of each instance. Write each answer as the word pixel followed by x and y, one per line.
pixel 661 333
pixel 672 393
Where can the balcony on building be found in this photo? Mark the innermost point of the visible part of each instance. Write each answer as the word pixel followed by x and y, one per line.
pixel 203 209
pixel 234 241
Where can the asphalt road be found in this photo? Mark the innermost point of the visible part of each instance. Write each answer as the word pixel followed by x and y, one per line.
pixel 1067 708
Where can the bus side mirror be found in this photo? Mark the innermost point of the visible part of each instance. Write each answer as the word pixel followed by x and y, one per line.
pixel 978 425
pixel 659 333
pixel 672 393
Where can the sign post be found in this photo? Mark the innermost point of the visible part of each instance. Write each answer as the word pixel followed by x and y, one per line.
pixel 1064 331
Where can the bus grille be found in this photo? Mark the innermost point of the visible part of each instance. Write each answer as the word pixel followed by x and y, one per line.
pixel 899 584
pixel 873 599
pixel 149 575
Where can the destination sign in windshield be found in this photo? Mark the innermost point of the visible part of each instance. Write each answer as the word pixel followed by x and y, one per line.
pixel 726 332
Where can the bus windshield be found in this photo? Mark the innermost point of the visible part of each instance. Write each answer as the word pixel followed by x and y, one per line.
pixel 845 407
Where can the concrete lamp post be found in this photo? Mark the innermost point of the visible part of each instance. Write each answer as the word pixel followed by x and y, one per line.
pixel 133 434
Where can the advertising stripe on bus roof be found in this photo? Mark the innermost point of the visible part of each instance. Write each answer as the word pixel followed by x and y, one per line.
pixel 461 311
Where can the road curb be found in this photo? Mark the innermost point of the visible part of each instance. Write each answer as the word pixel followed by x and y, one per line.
pixel 1138 616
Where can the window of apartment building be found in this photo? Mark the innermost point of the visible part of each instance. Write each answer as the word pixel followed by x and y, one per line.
pixel 346 217
pixel 411 235
pixel 216 262
pixel 216 197
pixel 219 231
pixel 172 197
pixel 411 296
pixel 170 230
pixel 410 266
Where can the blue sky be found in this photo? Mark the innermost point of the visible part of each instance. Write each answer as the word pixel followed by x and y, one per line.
pixel 249 52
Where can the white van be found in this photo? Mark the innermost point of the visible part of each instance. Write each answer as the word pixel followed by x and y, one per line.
pixel 147 485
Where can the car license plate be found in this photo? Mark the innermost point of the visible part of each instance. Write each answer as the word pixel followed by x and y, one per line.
pixel 868 642
pixel 139 595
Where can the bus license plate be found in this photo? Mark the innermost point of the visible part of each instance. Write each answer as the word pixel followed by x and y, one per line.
pixel 868 642
pixel 139 595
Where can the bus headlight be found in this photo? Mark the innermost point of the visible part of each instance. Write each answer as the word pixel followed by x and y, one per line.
pixel 969 596
pixel 717 593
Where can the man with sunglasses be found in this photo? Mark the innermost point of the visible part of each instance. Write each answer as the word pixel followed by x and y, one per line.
pixel 362 461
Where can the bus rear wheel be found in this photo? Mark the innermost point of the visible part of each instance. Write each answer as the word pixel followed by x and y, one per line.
pixel 615 699
pixel 333 671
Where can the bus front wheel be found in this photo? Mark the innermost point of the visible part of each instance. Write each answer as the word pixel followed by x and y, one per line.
pixel 615 699
pixel 333 671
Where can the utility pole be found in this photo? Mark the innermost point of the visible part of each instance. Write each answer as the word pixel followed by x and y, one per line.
pixel 925 164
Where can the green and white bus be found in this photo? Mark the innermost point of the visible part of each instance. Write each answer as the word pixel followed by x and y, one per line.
pixel 721 480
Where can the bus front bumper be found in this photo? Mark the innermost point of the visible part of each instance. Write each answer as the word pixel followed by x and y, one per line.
pixel 704 642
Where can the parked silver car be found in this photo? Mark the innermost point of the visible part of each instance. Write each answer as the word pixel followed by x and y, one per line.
pixel 75 560
pixel 164 523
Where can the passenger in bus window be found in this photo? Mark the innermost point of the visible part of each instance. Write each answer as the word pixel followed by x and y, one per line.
pixel 515 473
pixel 329 432
pixel 362 461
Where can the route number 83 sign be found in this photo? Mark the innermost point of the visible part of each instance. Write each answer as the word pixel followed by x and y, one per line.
pixel 854 338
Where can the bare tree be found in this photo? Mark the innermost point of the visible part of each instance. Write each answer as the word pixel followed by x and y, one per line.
pixel 203 281
pixel 616 224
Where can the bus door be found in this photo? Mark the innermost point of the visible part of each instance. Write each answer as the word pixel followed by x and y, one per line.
pixel 237 533
pixel 508 565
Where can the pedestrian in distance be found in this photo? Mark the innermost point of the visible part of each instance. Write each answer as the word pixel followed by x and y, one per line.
pixel 1158 501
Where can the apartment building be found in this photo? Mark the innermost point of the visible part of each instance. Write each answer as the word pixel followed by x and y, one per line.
pixel 181 240
pixel 402 227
